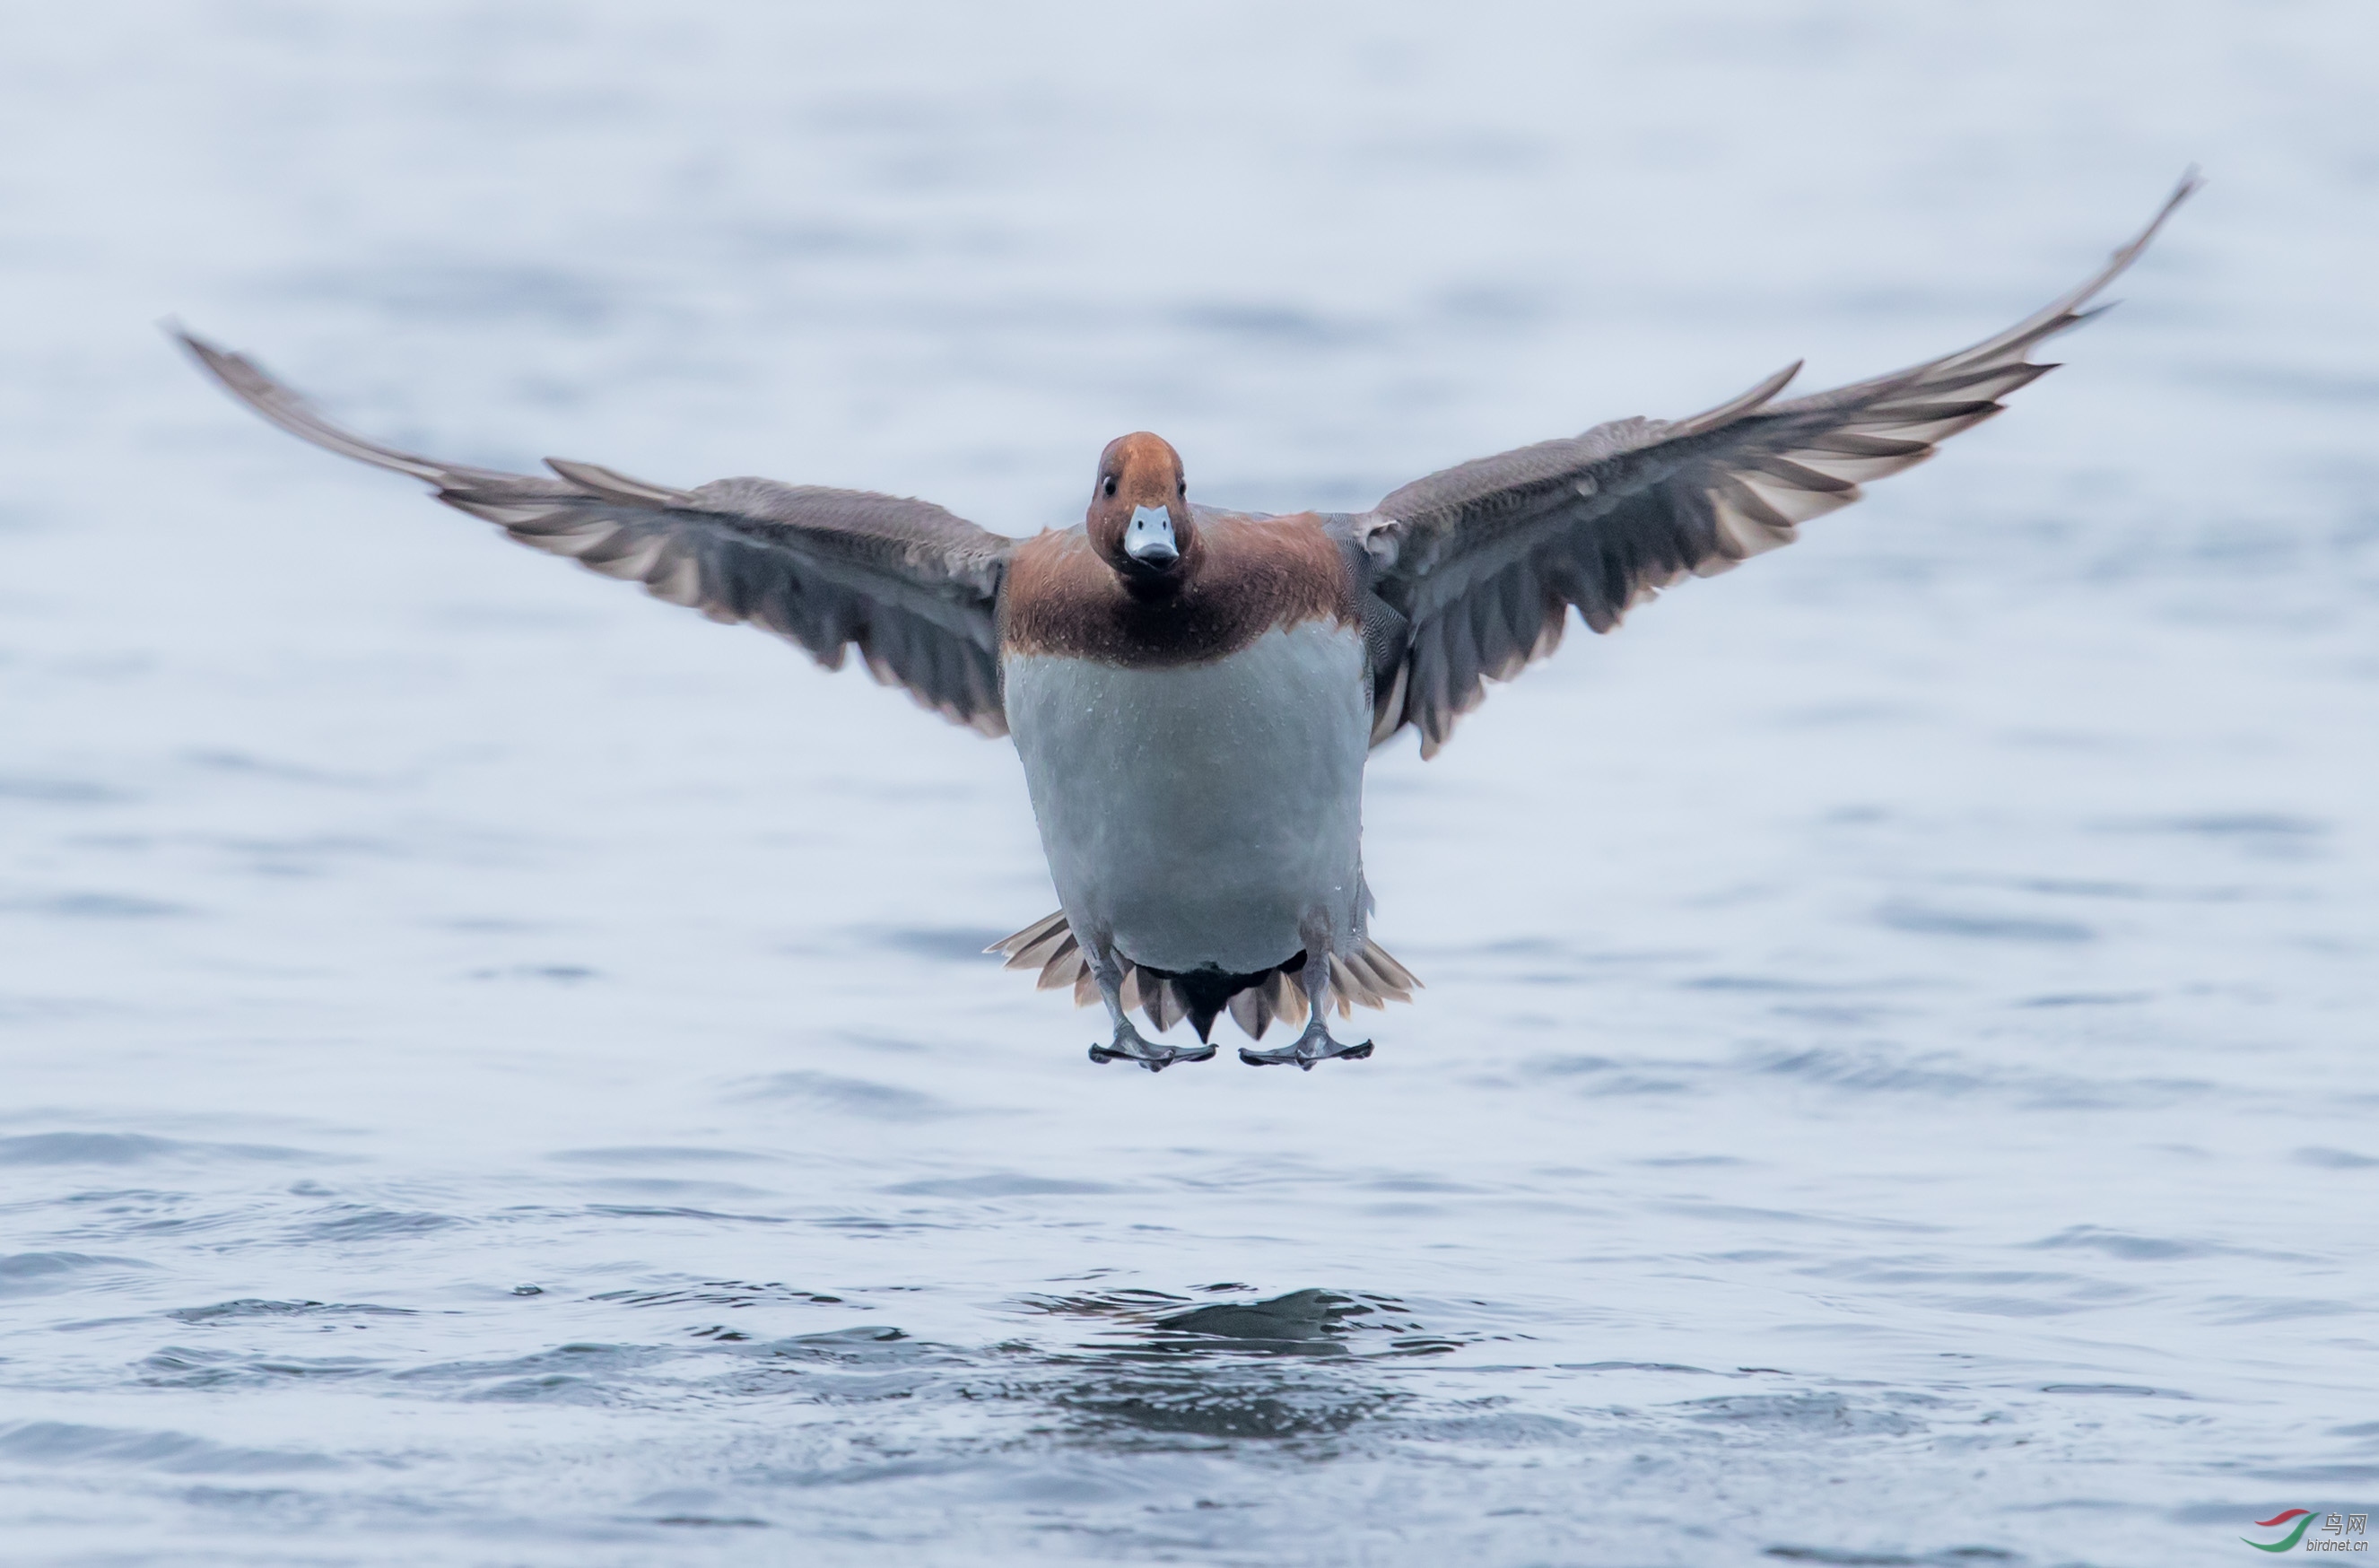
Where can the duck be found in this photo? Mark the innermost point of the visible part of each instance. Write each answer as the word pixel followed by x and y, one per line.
pixel 1194 691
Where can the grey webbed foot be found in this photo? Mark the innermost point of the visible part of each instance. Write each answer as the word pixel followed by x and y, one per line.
pixel 1129 1047
pixel 1313 1045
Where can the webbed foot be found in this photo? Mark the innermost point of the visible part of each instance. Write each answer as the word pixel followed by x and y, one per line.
pixel 1129 1047
pixel 1313 1045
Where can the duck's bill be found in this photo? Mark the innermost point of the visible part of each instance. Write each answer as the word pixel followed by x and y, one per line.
pixel 1149 539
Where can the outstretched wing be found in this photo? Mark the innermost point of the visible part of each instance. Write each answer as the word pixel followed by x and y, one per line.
pixel 1484 561
pixel 910 585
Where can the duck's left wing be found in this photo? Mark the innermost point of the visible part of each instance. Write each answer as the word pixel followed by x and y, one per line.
pixel 1483 562
pixel 912 587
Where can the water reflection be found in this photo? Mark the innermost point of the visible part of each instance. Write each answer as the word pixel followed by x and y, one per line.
pixel 1286 1366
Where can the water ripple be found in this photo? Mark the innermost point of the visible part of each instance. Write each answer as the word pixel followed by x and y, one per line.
pixel 63 1443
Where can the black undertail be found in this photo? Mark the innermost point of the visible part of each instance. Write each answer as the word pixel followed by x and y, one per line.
pixel 1204 993
pixel 1367 977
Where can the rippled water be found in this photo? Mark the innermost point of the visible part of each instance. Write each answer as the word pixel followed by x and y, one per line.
pixel 498 1070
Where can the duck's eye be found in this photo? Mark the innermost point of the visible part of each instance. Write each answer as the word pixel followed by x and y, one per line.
pixel 1108 485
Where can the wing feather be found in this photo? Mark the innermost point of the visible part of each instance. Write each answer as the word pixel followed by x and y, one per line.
pixel 1485 559
pixel 911 587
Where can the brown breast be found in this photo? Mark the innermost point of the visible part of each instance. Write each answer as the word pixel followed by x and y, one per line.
pixel 1256 574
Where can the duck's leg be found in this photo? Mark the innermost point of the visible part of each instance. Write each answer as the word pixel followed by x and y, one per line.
pixel 1128 1045
pixel 1315 1044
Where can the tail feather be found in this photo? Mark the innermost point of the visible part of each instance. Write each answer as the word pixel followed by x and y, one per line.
pixel 1251 1010
pixel 1287 998
pixel 1349 990
pixel 1163 1007
pixel 1368 969
pixel 1398 977
pixel 1042 954
pixel 1064 968
pixel 1369 976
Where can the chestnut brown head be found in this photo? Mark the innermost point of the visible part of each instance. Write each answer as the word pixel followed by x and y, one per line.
pixel 1139 520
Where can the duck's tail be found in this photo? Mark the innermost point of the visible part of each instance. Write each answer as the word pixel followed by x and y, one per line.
pixel 1369 976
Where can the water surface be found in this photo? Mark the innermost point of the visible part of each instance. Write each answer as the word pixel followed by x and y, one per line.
pixel 499 1070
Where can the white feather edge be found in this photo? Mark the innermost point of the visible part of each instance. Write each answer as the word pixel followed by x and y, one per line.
pixel 1369 977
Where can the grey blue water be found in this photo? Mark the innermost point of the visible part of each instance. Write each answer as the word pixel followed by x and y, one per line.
pixel 495 1069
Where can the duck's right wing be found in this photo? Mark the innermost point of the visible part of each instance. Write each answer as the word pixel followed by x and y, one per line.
pixel 910 585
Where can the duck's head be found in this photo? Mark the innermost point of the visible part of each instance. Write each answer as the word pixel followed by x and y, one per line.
pixel 1139 520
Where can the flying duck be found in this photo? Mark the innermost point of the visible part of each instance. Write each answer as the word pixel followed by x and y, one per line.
pixel 1194 691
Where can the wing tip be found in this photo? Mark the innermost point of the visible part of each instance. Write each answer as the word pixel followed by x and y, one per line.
pixel 2070 311
pixel 179 331
pixel 222 364
pixel 2192 180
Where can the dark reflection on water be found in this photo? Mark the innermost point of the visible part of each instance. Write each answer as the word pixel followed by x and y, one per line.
pixel 1224 1404
pixel 1269 1369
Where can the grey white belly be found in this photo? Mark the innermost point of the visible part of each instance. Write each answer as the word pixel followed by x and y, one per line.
pixel 1204 814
